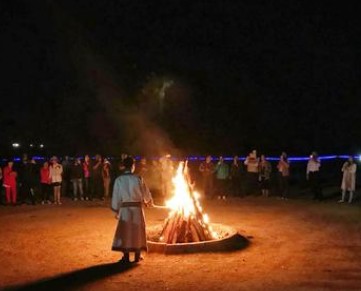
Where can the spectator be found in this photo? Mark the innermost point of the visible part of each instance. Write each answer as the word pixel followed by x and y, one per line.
pixel 283 167
pixel 121 166
pixel 30 178
pixel 76 177
pixel 236 172
pixel 87 171
pixel 143 169
pixel 264 171
pixel 56 171
pixel 251 163
pixel 1 186
pixel 23 193
pixel 106 174
pixel 207 170
pixel 97 177
pixel 348 179
pixel 45 183
pixel 66 164
pixel 166 175
pixel 154 179
pixel 10 176
pixel 222 177
pixel 313 176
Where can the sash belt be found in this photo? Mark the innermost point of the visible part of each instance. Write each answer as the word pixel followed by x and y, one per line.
pixel 131 204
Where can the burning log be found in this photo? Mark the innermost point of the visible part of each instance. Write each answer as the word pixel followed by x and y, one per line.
pixel 185 223
pixel 194 234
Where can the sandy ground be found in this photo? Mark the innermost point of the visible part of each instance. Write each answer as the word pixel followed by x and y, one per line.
pixel 293 245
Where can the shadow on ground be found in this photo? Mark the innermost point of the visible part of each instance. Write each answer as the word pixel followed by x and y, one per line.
pixel 76 279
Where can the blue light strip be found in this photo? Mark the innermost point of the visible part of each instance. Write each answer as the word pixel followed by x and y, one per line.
pixel 291 159
pixel 202 158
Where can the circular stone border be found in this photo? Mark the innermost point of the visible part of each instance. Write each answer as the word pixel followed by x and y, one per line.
pixel 231 241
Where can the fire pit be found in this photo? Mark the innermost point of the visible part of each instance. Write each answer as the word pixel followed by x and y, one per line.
pixel 187 228
pixel 228 240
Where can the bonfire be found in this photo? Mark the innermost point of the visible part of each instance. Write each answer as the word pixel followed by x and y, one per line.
pixel 186 221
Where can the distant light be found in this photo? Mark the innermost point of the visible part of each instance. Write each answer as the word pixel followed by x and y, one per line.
pixel 328 157
pixel 31 145
pixel 192 158
pixel 41 146
pixel 344 157
pixel 15 145
pixel 37 158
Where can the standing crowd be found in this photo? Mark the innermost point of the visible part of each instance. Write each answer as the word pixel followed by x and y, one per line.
pixel 253 177
pixel 53 179
pixel 88 179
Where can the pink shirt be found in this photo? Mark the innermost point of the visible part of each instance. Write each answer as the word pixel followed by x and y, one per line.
pixel 86 169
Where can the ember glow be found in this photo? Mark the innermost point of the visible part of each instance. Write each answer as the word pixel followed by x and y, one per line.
pixel 186 221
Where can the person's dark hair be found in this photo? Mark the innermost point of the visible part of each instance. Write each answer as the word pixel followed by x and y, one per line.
pixel 284 157
pixel 314 156
pixel 128 162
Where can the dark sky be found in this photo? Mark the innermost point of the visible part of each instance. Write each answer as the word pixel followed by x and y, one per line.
pixel 78 76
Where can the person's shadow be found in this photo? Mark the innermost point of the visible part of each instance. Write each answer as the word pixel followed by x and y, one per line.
pixel 75 279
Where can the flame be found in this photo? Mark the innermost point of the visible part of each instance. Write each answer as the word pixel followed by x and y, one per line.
pixel 185 200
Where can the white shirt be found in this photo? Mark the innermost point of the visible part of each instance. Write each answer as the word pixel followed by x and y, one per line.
pixel 313 166
pixel 252 164
pixel 129 188
pixel 55 173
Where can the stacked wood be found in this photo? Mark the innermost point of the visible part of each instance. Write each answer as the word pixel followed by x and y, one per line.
pixel 179 228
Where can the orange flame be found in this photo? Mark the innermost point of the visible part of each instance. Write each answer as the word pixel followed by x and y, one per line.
pixel 185 200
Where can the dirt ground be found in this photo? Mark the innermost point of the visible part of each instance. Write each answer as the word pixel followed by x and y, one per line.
pixel 293 245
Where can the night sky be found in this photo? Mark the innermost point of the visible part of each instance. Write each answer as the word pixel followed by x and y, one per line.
pixel 79 76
